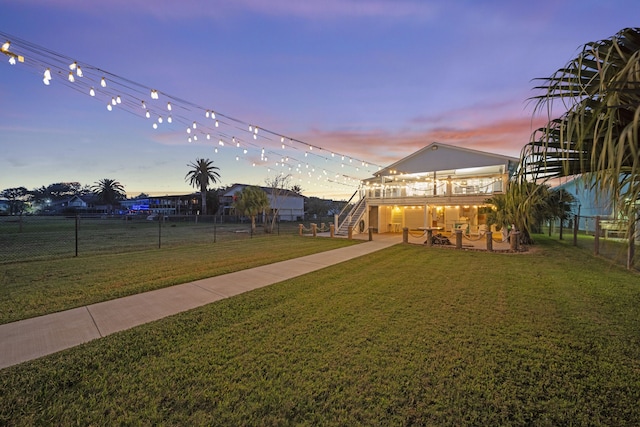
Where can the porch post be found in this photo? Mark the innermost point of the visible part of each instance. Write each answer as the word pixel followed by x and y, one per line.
pixel 429 237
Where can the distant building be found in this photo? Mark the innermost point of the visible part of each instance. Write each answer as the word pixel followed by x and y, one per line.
pixel 288 205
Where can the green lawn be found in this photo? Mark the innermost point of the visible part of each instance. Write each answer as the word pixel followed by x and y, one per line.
pixel 34 288
pixel 405 336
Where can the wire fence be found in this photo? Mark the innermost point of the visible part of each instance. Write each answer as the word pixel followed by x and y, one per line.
pixel 25 238
pixel 616 240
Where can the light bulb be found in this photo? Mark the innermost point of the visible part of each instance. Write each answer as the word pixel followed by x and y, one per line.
pixel 213 115
pixel 103 82
pixel 215 150
pixel 5 46
pixel 283 146
pixel 168 106
pixel 46 81
pixel 255 136
pixel 255 130
pixel 237 158
pixel 159 119
pixel 169 119
pixel 73 66
pixel 195 137
pixel 113 101
pixel 154 94
pixel 189 139
pixel 250 128
pixel 221 143
pixel 79 72
pixel 92 92
pixel 238 144
pixel 147 114
pixel 244 151
pixel 144 105
pixel 207 114
pixel 71 78
pixel 109 107
pixel 12 60
pixel 118 99
pixel 217 124
pixel 194 125
pixel 282 139
pixel 47 74
pixel 208 136
pixel 188 130
pixel 155 126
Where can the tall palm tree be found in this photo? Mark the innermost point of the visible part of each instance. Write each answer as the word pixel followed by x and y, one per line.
pixel 200 176
pixel 109 192
pixel 598 134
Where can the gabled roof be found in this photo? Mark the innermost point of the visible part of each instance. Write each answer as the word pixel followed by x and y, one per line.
pixel 437 157
pixel 231 191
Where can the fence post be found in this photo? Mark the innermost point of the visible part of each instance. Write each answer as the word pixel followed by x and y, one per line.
pixel 301 227
pixel 77 226
pixel 350 232
pixel 631 251
pixel 458 238
pixel 575 230
pixel 513 240
pixel 596 237
pixel 332 230
pixel 314 229
pixel 370 233
pixel 429 237
pixel 214 231
pixel 159 231
pixel 489 241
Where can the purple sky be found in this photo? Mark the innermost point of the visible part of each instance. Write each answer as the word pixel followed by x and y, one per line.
pixel 371 80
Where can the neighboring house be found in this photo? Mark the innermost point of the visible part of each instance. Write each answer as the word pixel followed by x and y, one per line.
pixel 4 206
pixel 289 205
pixel 590 203
pixel 165 205
pixel 438 186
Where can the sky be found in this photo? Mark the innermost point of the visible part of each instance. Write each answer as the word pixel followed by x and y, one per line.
pixel 337 88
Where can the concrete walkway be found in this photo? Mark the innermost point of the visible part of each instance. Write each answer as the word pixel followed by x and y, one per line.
pixel 32 338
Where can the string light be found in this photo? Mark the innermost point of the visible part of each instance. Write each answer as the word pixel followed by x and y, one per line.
pixel 41 57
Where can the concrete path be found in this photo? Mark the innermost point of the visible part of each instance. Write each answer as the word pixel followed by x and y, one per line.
pixel 32 338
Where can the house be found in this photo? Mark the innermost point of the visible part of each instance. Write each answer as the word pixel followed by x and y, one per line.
pixel 440 186
pixel 165 205
pixel 590 202
pixel 288 204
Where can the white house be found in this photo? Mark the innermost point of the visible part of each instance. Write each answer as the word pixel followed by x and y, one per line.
pixel 439 186
pixel 288 205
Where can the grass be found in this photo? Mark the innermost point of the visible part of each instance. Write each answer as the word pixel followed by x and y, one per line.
pixel 40 238
pixel 405 336
pixel 35 288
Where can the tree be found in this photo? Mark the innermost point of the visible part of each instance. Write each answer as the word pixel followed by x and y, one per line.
pixel 598 134
pixel 18 198
pixel 278 191
pixel 523 205
pixel 109 192
pixel 202 174
pixel 297 189
pixel 251 201
pixel 559 205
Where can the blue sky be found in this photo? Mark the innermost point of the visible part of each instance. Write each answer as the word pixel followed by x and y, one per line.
pixel 367 80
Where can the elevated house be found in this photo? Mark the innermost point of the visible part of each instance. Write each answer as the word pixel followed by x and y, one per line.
pixel 440 186
pixel 288 205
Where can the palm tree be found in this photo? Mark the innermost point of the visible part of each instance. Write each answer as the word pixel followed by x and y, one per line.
pixel 251 201
pixel 200 176
pixel 523 205
pixel 109 192
pixel 598 135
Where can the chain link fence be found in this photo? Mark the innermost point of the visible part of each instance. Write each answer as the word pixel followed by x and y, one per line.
pixel 616 240
pixel 25 238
